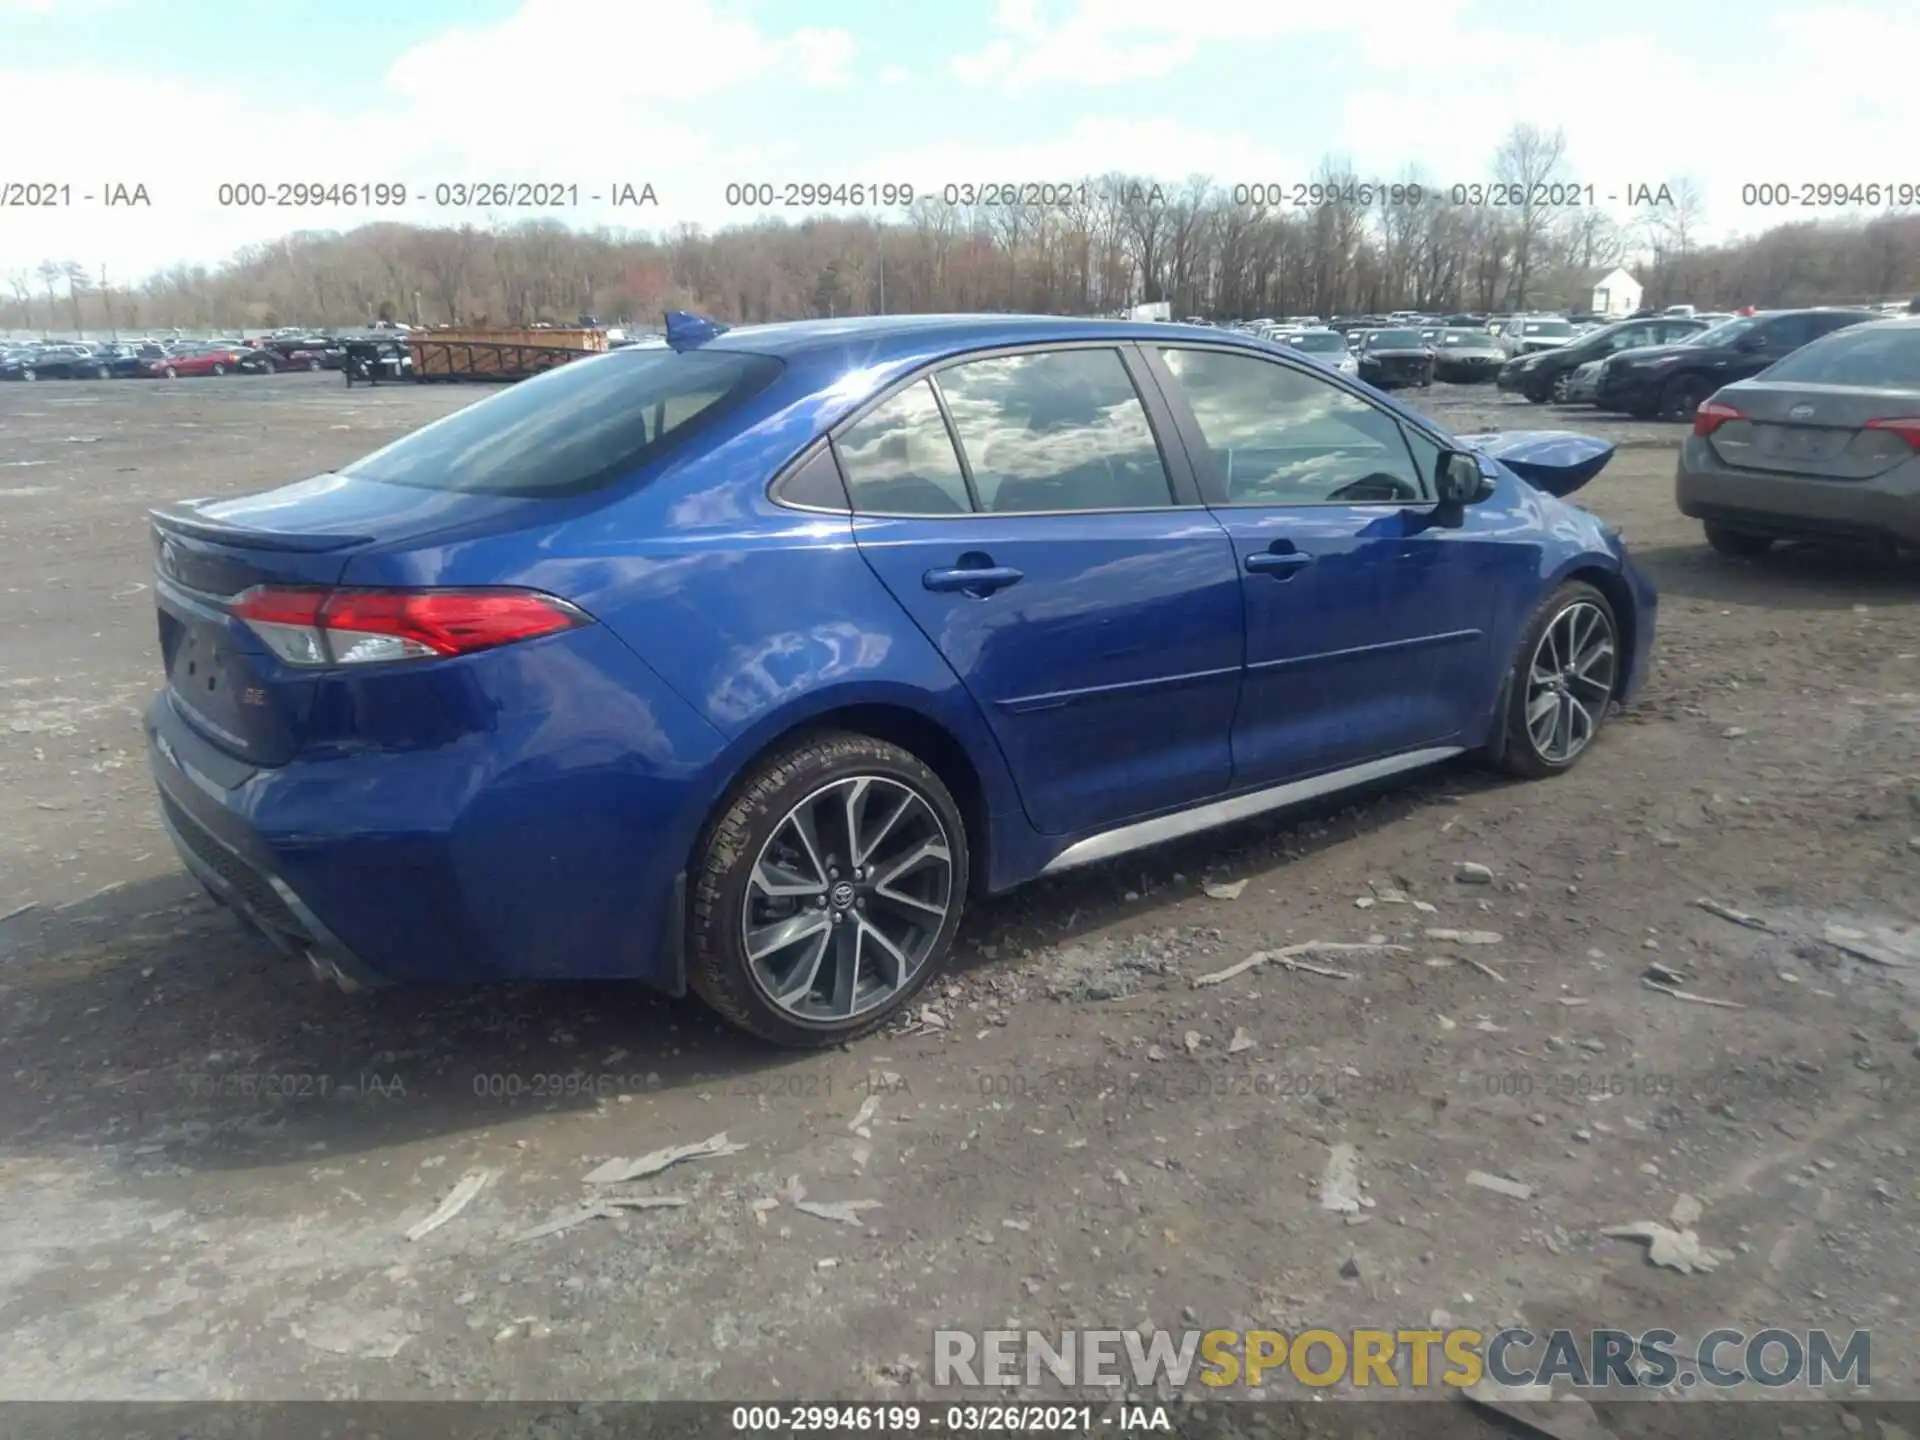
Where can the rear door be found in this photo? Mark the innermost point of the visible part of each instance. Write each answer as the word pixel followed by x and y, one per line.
pixel 1022 509
pixel 1366 623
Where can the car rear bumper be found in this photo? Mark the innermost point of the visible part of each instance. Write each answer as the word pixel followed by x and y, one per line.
pixel 227 858
pixel 1886 507
pixel 550 847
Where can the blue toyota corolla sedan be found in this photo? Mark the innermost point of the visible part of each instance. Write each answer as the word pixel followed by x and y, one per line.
pixel 737 664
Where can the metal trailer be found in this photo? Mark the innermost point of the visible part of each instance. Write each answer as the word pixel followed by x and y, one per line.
pixel 497 360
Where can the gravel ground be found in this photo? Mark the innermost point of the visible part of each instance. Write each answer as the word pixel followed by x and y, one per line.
pixel 208 1162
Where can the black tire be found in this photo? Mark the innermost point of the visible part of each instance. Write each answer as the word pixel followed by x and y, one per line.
pixel 1561 391
pixel 171 373
pixel 1682 395
pixel 29 374
pixel 1519 753
pixel 1738 544
pixel 1537 397
pixel 219 369
pixel 717 968
pixel 313 364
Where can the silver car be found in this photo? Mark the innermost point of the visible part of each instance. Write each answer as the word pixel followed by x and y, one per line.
pixel 1528 334
pixel 1823 444
pixel 1329 347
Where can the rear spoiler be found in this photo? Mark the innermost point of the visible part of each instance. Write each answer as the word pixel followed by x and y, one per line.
pixel 189 520
pixel 1556 461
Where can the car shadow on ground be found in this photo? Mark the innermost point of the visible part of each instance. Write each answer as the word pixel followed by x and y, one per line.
pixel 146 1024
pixel 1791 576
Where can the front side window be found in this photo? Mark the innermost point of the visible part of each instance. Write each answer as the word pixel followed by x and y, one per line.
pixel 899 459
pixel 1056 430
pixel 1277 436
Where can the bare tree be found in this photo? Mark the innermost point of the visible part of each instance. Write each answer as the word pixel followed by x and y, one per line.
pixel 21 283
pixel 52 272
pixel 1528 164
pixel 79 283
pixel 1117 239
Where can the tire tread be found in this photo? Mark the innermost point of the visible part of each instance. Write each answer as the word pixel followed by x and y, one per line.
pixel 732 836
pixel 1517 755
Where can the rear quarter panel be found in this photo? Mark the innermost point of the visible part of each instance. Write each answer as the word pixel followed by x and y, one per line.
pixel 762 619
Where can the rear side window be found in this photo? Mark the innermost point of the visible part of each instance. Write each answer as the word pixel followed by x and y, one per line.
pixel 1827 324
pixel 572 429
pixel 899 459
pixel 1059 430
pixel 1877 357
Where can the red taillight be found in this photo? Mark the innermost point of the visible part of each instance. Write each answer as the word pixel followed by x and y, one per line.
pixel 1712 414
pixel 1907 427
pixel 360 627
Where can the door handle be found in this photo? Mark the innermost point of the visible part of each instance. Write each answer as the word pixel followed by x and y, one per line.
pixel 1282 565
pixel 980 581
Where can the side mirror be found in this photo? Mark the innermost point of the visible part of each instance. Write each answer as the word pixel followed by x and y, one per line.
pixel 1458 482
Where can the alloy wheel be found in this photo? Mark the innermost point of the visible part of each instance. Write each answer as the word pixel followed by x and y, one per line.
pixel 847 898
pixel 1570 682
pixel 1562 388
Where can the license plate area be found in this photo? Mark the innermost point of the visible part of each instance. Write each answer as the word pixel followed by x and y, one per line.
pixel 1798 442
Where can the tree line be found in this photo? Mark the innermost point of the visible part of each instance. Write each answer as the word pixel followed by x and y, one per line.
pixel 1209 249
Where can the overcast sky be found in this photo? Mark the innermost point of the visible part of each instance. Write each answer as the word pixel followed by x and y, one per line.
pixel 689 95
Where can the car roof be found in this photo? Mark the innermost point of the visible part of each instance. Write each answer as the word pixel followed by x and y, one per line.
pixel 886 338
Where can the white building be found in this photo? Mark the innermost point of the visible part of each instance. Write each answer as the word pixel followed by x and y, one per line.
pixel 1616 294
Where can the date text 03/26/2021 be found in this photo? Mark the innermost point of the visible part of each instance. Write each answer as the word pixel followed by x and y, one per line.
pixel 961 1419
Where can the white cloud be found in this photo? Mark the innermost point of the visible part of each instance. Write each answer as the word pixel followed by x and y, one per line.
pixel 1810 107
pixel 1810 103
pixel 1112 42
pixel 1163 148
pixel 895 75
pixel 643 54
pixel 640 116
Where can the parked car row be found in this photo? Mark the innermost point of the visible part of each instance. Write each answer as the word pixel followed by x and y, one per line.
pixel 168 359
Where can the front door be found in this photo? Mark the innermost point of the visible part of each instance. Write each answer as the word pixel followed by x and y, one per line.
pixel 1366 622
pixel 1038 542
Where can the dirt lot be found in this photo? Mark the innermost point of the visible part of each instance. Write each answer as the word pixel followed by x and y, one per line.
pixel 209 1162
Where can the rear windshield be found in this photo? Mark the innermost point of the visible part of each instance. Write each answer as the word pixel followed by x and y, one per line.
pixel 572 429
pixel 1875 357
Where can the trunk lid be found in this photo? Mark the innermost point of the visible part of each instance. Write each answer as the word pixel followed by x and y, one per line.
pixel 220 675
pixel 1556 461
pixel 1817 431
